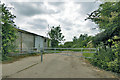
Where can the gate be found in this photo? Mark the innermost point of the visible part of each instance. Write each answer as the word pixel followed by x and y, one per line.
pixel 75 52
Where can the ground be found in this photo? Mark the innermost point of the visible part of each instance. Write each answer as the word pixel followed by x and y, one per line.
pixel 53 66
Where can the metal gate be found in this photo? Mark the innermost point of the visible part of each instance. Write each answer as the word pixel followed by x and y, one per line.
pixel 76 52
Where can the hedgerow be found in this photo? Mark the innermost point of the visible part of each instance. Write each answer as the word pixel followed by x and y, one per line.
pixel 108 59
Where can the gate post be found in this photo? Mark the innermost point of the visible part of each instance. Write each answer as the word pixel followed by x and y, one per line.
pixel 82 52
pixel 41 55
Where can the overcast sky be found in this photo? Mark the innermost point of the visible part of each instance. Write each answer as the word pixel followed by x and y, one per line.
pixel 36 16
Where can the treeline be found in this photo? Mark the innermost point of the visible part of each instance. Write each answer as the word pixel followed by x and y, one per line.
pixel 81 42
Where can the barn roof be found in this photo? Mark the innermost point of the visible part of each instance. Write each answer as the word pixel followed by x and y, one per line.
pixel 24 31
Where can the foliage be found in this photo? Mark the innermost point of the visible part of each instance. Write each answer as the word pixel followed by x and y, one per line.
pixel 108 59
pixel 108 19
pixel 82 41
pixel 68 44
pixel 10 59
pixel 55 36
pixel 88 55
pixel 8 31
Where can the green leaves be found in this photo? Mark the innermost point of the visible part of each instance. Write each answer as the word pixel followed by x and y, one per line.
pixel 108 59
pixel 108 19
pixel 82 41
pixel 8 31
pixel 56 36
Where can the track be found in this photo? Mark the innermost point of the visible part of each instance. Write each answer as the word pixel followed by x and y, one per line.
pixel 53 66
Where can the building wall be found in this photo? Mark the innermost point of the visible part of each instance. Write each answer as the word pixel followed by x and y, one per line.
pixel 39 43
pixel 24 42
pixel 18 41
pixel 27 41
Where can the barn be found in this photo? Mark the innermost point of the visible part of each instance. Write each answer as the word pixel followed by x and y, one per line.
pixel 30 42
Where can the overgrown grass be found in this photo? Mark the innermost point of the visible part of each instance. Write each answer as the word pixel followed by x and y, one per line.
pixel 10 59
pixel 88 55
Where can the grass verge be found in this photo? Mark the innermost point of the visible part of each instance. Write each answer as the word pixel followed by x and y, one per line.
pixel 88 54
pixel 11 59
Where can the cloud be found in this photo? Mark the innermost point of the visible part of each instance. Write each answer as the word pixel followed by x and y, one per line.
pixel 65 22
pixel 56 3
pixel 87 7
pixel 32 8
pixel 38 23
pixel 35 17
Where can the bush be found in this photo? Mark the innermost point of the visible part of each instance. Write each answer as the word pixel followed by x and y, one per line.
pixel 113 66
pixel 6 58
pixel 108 59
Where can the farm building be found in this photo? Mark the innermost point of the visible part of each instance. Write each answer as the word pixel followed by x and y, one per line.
pixel 30 42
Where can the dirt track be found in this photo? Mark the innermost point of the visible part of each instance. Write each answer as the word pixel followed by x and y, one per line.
pixel 53 66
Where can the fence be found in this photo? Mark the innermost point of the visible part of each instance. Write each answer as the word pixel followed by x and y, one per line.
pixel 77 52
pixel 20 51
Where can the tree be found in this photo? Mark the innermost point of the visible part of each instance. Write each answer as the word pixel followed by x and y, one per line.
pixel 108 19
pixel 81 41
pixel 55 36
pixel 8 31
pixel 74 39
pixel 68 44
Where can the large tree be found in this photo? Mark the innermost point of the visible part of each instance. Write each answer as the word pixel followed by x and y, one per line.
pixel 8 31
pixel 56 36
pixel 108 19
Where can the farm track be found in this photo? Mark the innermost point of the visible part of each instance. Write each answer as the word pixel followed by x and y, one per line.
pixel 53 66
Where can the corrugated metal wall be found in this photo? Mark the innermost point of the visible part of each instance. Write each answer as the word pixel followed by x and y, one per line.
pixel 27 41
pixel 39 43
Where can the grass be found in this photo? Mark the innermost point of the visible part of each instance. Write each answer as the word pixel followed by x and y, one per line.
pixel 88 54
pixel 11 59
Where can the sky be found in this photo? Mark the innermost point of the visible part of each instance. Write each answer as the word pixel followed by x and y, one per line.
pixel 37 17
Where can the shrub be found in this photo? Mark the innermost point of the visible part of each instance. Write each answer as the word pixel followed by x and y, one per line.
pixel 108 59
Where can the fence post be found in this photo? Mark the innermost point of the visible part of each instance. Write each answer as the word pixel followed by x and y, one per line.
pixel 82 52
pixel 41 56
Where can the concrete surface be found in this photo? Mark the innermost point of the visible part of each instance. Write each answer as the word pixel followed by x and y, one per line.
pixel 53 66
